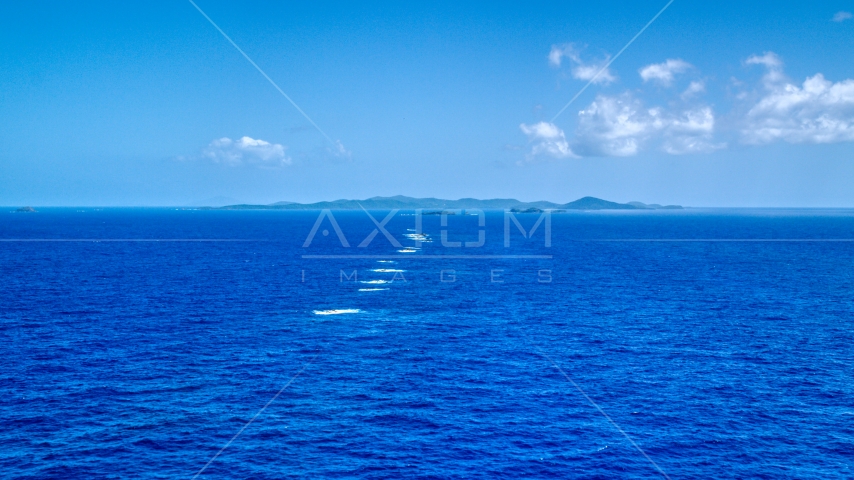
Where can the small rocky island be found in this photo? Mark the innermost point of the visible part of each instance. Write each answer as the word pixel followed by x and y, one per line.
pixel 26 210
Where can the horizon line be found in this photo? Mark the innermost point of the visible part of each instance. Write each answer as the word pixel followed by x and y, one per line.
pixel 197 207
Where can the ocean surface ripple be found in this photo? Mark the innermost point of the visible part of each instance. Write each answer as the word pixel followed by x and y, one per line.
pixel 143 359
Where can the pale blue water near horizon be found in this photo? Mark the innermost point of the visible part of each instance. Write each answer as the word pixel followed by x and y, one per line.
pixel 720 359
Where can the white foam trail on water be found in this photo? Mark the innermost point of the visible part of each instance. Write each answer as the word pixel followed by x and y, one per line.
pixel 337 312
pixel 372 289
pixel 388 270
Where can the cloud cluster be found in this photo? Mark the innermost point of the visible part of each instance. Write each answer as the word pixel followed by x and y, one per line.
pixel 620 126
pixel 816 110
pixel 842 16
pixel 246 151
pixel 581 70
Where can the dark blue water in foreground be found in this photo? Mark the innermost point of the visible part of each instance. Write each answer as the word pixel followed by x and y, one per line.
pixel 143 359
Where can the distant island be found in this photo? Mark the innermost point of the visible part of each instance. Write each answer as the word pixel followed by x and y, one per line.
pixel 408 203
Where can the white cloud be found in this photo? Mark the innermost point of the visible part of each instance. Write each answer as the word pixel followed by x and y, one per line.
pixel 770 60
pixel 614 126
pixel 548 140
pixel 556 55
pixel 246 151
pixel 817 111
pixel 693 89
pixel 341 152
pixel 772 63
pixel 581 70
pixel 691 131
pixel 621 126
pixel 663 73
pixel 842 16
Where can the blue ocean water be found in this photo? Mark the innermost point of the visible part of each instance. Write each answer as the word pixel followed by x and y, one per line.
pixel 719 359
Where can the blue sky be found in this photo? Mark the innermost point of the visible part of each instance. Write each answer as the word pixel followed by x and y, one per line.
pixel 716 104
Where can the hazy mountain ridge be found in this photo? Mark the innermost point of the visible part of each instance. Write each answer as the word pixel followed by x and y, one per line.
pixel 408 203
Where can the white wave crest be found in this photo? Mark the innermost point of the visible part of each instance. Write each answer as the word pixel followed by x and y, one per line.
pixel 337 312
